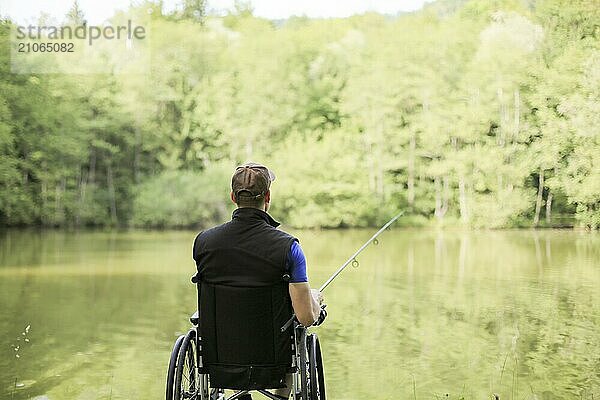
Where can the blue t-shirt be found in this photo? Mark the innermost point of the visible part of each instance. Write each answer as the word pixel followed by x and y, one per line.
pixel 296 264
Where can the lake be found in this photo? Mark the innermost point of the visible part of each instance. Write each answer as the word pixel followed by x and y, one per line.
pixel 428 314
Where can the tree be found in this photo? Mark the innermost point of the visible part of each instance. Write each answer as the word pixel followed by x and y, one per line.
pixel 75 15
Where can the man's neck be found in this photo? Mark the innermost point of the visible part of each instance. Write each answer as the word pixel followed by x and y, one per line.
pixel 263 208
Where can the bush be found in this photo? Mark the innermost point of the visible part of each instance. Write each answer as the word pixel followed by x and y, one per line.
pixel 183 199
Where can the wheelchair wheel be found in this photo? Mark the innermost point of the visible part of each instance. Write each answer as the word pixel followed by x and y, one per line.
pixel 303 364
pixel 315 368
pixel 186 384
pixel 173 367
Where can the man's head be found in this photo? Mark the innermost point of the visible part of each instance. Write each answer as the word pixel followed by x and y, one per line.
pixel 250 185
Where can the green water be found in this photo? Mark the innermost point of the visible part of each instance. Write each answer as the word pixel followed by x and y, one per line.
pixel 428 314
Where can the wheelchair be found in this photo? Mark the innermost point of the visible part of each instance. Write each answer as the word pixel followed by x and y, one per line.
pixel 219 352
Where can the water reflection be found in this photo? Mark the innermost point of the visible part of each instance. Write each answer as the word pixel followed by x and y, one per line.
pixel 427 313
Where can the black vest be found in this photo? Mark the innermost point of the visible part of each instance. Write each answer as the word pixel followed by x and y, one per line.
pixel 248 251
pixel 244 301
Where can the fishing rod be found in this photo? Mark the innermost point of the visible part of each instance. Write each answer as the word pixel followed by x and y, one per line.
pixel 352 260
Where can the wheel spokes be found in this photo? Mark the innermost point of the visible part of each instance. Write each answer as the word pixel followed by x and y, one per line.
pixel 188 384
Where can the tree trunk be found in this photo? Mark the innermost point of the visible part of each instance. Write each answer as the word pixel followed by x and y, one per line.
pixel 462 199
pixel 441 197
pixel 438 198
pixel 84 182
pixel 92 174
pixel 503 117
pixel 57 202
pixel 445 195
pixel 43 213
pixel 549 208
pixel 111 194
pixel 379 144
pixel 136 155
pixel 79 189
pixel 538 201
pixel 411 172
pixel 25 175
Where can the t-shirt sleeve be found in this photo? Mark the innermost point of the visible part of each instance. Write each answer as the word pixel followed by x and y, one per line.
pixel 296 262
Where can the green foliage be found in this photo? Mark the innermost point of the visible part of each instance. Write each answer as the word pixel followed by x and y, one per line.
pixel 182 198
pixel 480 113
pixel 333 190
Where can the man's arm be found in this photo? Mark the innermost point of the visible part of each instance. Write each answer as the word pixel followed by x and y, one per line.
pixel 305 302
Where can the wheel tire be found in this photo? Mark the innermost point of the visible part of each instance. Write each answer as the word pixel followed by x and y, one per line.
pixel 173 367
pixel 303 351
pixel 186 384
pixel 315 362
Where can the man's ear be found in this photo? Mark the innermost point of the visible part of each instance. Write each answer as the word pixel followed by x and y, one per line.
pixel 232 197
pixel 268 196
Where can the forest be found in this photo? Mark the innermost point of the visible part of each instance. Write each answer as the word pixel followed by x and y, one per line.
pixel 478 113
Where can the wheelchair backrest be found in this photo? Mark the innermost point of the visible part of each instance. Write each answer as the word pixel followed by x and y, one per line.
pixel 240 329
